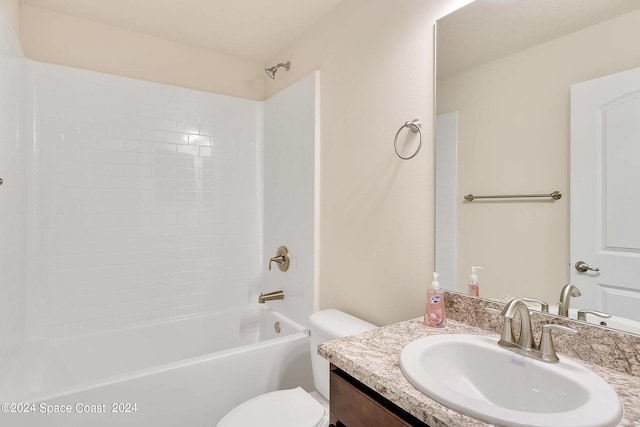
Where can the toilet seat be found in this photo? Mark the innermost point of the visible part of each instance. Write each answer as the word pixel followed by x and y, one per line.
pixel 282 408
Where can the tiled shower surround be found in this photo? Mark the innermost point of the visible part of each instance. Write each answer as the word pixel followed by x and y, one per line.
pixel 127 202
pixel 12 195
pixel 143 200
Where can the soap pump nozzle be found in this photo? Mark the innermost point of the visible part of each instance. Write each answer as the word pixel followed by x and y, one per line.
pixel 474 276
pixel 435 285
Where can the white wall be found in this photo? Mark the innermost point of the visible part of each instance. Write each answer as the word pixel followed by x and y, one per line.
pixel 12 196
pixel 290 143
pixel 514 138
pixel 143 199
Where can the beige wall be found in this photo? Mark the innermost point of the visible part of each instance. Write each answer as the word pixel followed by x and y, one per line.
pixel 13 11
pixel 376 211
pixel 514 138
pixel 62 39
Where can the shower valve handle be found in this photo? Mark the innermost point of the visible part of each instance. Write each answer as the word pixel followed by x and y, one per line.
pixel 281 258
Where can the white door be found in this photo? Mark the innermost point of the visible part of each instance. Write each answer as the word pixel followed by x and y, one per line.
pixel 605 192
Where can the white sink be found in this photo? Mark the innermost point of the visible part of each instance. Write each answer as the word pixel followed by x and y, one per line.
pixel 474 376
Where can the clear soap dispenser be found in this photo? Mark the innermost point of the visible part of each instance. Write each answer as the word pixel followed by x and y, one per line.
pixel 474 285
pixel 434 314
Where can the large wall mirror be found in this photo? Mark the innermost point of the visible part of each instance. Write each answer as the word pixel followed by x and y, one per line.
pixel 507 75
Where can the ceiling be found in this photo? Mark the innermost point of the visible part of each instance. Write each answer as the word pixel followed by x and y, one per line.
pixel 474 34
pixel 251 29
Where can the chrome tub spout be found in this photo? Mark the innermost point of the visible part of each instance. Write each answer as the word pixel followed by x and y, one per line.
pixel 270 296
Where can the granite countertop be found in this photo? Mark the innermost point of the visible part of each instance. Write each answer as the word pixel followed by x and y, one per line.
pixel 372 358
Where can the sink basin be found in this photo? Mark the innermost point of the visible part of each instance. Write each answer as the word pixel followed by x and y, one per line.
pixel 474 376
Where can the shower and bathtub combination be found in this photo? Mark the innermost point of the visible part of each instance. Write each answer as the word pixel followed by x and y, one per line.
pixel 138 221
pixel 187 371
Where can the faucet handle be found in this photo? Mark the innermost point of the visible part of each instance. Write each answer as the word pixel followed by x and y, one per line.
pixel 506 337
pixel 544 307
pixel 281 258
pixel 546 342
pixel 582 314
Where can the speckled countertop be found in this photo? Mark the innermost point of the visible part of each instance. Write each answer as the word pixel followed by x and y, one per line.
pixel 372 358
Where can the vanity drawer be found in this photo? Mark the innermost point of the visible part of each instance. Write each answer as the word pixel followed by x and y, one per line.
pixel 352 404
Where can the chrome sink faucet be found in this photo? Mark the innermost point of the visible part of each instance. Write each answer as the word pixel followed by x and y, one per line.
pixel 526 345
pixel 525 340
pixel 567 292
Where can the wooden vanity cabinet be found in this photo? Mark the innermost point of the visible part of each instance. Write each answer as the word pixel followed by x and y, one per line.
pixel 352 404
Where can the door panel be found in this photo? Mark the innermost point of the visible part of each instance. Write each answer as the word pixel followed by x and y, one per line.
pixel 605 192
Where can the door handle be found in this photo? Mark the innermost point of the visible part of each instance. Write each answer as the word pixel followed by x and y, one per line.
pixel 583 267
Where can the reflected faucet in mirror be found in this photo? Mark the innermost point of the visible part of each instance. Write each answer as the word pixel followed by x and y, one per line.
pixel 544 307
pixel 582 314
pixel 567 292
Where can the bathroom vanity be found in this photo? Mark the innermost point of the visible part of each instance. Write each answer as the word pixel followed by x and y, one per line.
pixel 369 389
pixel 353 405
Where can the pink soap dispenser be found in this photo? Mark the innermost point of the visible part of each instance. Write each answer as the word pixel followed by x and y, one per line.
pixel 434 314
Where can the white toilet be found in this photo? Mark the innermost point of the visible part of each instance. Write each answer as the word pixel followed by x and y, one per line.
pixel 296 407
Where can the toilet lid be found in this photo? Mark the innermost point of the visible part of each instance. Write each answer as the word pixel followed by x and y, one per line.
pixel 282 408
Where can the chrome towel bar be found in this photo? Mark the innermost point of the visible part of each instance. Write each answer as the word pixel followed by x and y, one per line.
pixel 555 196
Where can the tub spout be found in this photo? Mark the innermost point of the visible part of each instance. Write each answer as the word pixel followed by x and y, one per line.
pixel 270 296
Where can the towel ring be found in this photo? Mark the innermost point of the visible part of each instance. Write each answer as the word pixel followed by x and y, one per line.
pixel 416 127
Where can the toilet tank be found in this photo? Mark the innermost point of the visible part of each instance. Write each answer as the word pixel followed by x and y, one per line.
pixel 326 325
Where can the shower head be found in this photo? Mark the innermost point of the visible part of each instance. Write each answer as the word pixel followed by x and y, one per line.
pixel 271 72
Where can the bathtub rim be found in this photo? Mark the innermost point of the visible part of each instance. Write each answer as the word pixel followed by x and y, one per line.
pixel 301 333
pixel 178 318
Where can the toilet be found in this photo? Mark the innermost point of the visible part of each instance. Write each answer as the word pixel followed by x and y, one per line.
pixel 296 407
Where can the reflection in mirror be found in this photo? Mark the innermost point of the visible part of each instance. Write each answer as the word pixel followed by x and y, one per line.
pixel 507 74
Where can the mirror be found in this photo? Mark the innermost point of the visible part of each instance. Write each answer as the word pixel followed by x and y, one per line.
pixel 504 72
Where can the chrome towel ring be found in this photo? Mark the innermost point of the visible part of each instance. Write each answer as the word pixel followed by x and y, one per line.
pixel 416 127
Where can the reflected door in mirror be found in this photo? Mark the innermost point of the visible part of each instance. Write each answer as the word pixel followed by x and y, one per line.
pixel 605 205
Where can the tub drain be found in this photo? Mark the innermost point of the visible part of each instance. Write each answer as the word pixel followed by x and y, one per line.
pixel 277 327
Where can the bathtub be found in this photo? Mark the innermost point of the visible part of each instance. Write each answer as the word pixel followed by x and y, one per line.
pixel 186 372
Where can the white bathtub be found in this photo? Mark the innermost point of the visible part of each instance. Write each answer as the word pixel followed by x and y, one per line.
pixel 187 372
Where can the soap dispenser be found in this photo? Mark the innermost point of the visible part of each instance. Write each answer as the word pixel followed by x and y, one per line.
pixel 434 314
pixel 474 285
